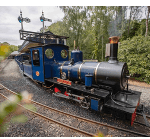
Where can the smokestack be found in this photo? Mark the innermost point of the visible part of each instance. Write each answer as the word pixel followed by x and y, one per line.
pixel 113 49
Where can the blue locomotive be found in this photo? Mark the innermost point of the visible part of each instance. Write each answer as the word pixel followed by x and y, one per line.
pixel 101 86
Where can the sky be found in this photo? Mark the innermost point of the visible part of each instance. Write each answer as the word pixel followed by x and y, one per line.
pixel 10 26
pixel 10 10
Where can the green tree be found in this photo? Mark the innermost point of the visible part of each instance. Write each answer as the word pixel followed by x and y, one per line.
pixel 148 11
pixel 13 48
pixel 135 52
pixel 134 30
pixel 74 19
pixel 101 17
pixel 91 26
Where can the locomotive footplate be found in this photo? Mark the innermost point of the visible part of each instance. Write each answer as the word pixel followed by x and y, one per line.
pixel 104 94
pixel 124 104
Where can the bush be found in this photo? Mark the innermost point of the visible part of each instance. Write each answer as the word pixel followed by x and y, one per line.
pixel 136 53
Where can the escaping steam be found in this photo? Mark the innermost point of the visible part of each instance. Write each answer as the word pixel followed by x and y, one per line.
pixel 116 26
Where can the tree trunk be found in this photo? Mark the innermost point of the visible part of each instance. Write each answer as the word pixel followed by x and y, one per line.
pixel 147 20
pixel 130 20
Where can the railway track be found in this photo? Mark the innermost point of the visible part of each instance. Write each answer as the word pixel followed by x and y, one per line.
pixel 141 118
pixel 1 68
pixel 79 119
pixel 56 122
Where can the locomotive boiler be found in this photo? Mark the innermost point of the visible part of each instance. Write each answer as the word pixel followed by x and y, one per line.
pixel 112 73
pixel 99 86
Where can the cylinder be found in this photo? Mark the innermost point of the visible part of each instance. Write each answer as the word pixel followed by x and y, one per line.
pixel 88 80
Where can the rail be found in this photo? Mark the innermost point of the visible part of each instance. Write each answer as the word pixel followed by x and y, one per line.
pixel 81 118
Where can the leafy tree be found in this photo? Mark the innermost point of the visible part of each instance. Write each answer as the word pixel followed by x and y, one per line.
pixel 101 17
pixel 6 43
pixel 136 53
pixel 13 48
pixel 88 26
pixel 142 28
pixel 91 26
pixel 134 29
pixel 148 11
pixel 19 46
pixel 74 20
pixel 4 48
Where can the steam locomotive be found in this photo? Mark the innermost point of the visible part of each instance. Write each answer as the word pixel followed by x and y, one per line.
pixel 100 86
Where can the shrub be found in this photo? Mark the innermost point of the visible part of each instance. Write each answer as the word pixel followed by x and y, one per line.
pixel 136 53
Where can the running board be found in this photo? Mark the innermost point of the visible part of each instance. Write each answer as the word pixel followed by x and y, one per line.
pixel 66 97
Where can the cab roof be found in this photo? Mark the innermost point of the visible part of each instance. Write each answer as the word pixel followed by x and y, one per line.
pixel 35 39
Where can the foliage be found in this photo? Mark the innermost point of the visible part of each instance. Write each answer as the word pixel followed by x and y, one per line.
pixel 100 18
pixel 136 28
pixel 74 26
pixel 11 112
pixel 142 28
pixel 91 26
pixel 99 134
pixel 19 46
pixel 88 26
pixel 136 53
pixel 6 49
pixel 13 48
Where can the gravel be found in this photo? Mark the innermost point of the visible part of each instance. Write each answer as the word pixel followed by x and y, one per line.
pixel 145 97
pixel 12 78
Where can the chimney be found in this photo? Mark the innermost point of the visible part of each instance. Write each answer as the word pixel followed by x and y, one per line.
pixel 113 49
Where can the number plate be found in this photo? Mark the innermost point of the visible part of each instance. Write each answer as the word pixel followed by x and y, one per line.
pixel 64 81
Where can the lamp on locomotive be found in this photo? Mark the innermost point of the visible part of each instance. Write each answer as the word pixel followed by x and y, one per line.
pixel 114 39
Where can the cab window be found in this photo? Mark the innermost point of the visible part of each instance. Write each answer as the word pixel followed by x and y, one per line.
pixel 27 59
pixel 36 58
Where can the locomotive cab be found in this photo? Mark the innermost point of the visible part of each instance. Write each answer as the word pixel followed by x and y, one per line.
pixel 46 61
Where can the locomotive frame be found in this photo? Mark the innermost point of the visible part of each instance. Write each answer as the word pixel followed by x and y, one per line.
pixel 99 86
